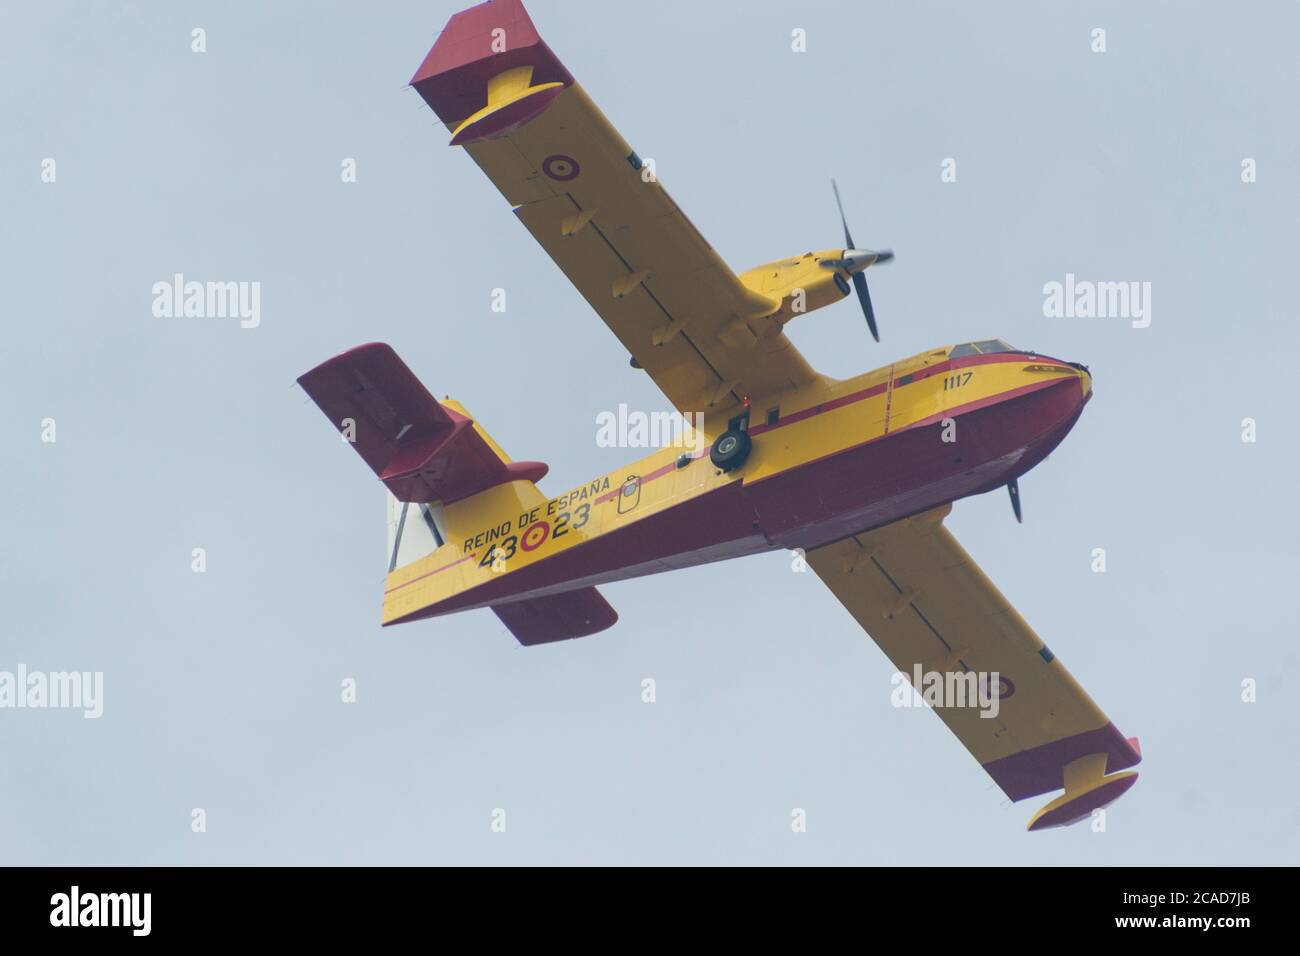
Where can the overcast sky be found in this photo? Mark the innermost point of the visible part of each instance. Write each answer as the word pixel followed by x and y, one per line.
pixel 222 688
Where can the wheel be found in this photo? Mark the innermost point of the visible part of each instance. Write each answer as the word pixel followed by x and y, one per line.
pixel 730 450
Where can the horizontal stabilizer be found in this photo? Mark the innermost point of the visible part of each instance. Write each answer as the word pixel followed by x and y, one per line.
pixel 557 617
pixel 422 450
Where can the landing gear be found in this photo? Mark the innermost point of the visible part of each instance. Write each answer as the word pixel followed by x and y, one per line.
pixel 731 449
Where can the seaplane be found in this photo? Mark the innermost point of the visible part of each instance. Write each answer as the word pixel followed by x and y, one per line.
pixel 856 476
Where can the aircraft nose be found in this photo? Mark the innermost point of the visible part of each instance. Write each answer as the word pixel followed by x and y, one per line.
pixel 1085 378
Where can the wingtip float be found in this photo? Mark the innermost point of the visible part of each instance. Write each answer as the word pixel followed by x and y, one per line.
pixel 859 473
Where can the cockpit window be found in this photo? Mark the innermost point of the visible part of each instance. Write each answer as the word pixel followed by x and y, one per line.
pixel 986 347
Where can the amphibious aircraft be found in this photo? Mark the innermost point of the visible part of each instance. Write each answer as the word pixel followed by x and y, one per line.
pixel 857 474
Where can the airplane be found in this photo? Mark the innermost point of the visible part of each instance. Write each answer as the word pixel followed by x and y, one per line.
pixel 856 475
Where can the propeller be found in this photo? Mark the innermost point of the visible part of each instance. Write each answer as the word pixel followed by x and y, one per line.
pixel 854 261
pixel 1013 487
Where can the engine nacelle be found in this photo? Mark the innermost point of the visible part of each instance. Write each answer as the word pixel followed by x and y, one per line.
pixel 800 284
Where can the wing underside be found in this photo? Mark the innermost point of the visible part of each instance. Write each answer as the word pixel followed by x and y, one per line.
pixel 602 214
pixel 934 613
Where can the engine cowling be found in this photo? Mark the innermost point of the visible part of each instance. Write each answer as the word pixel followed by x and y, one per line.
pixel 800 284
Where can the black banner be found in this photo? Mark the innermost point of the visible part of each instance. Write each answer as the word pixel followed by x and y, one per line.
pixel 970 906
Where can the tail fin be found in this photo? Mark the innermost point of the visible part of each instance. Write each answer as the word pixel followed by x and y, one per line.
pixel 432 457
pixel 423 451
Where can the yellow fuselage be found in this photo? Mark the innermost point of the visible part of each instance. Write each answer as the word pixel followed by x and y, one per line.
pixel 809 476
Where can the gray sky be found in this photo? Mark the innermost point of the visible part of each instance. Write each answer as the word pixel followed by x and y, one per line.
pixel 222 689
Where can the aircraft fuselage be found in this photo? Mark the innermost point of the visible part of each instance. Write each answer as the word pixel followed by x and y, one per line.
pixel 832 459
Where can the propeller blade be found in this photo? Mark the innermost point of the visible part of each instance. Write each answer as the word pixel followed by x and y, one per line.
pixel 854 261
pixel 1013 486
pixel 848 240
pixel 860 284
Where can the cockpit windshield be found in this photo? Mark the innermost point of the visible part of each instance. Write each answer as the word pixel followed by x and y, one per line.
pixel 986 347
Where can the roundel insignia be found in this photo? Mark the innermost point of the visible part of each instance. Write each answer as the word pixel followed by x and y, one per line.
pixel 1005 686
pixel 534 536
pixel 560 167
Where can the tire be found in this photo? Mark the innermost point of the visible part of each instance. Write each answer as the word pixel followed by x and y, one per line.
pixel 730 450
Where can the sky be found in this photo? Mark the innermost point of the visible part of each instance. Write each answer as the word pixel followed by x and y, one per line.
pixel 224 737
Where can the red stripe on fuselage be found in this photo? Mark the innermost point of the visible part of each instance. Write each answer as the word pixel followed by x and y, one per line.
pixel 913 377
pixel 427 574
pixel 937 417
pixel 648 477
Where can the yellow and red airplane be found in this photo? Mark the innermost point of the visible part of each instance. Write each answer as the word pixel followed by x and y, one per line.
pixel 857 474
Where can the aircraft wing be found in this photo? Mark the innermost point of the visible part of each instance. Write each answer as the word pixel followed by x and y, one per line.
pixel 921 597
pixel 603 216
